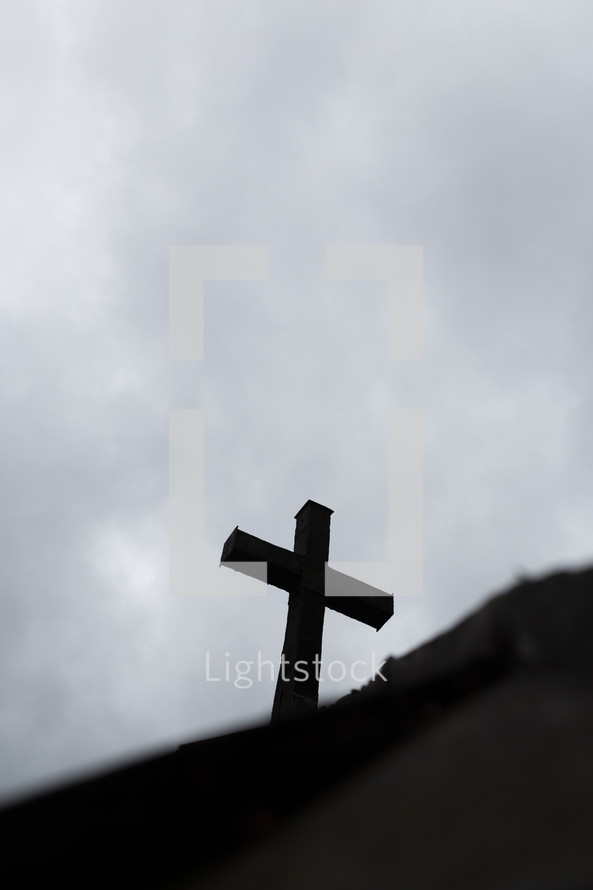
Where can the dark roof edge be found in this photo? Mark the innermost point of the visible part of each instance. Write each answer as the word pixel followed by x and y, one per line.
pixel 545 622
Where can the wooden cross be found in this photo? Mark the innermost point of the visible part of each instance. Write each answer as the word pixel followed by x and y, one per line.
pixel 311 586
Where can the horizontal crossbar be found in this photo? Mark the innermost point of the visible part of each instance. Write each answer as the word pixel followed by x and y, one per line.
pixel 285 570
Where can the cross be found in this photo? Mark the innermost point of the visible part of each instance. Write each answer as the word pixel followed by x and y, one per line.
pixel 311 586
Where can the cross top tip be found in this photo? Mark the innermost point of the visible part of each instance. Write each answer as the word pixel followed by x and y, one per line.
pixel 313 505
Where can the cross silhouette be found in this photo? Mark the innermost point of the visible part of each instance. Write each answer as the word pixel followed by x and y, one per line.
pixel 311 586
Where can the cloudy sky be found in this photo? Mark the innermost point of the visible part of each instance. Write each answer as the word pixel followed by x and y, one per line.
pixel 129 127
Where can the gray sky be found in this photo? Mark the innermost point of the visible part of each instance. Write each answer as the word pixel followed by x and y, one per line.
pixel 129 127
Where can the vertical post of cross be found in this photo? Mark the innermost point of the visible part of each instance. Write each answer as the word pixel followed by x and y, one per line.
pixel 297 689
